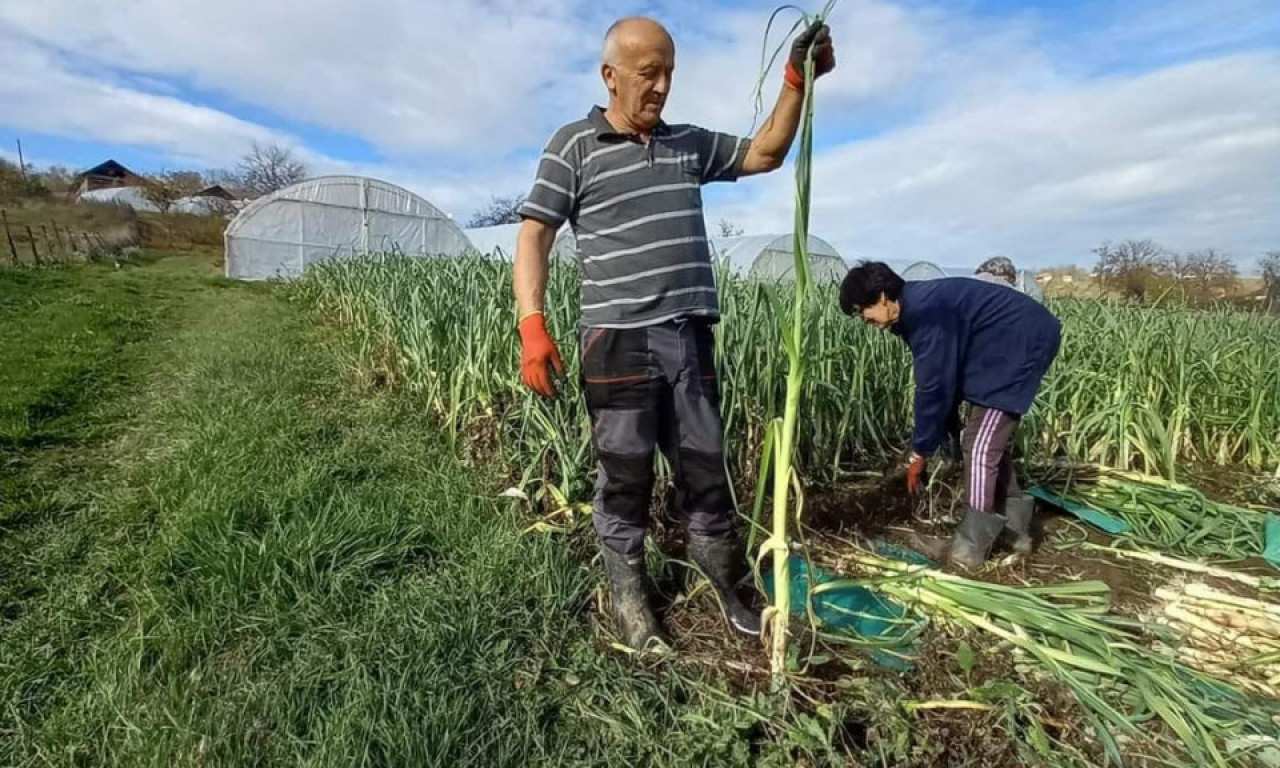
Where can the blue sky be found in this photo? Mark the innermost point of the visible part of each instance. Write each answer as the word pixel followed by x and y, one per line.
pixel 948 131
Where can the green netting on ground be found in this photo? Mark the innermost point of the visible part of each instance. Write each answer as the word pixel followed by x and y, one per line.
pixel 882 627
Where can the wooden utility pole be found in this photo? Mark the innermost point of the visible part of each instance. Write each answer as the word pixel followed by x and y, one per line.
pixel 13 249
pixel 22 166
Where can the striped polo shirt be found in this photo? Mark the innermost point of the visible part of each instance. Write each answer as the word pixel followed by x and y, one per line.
pixel 636 210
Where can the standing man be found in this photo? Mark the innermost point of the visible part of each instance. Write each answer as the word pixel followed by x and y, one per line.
pixel 975 341
pixel 630 186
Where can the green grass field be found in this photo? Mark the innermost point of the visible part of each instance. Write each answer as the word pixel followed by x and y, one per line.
pixel 217 549
pixel 239 527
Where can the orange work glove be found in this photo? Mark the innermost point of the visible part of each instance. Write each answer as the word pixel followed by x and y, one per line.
pixel 915 473
pixel 537 352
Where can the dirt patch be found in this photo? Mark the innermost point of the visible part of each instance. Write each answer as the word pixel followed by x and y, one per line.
pixel 1017 708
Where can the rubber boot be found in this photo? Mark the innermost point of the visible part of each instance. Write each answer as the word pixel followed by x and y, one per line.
pixel 723 560
pixel 1019 512
pixel 974 537
pixel 631 608
pixel 936 548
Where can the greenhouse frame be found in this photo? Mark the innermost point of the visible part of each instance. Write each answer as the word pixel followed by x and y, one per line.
pixel 334 217
pixel 770 257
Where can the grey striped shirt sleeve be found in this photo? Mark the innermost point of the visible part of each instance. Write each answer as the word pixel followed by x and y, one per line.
pixel 555 189
pixel 721 155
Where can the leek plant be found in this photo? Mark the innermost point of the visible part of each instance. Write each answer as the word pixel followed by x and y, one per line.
pixel 1145 388
pixel 1166 516
pixel 1067 630
pixel 780 437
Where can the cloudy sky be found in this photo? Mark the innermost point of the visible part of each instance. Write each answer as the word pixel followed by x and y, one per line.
pixel 949 130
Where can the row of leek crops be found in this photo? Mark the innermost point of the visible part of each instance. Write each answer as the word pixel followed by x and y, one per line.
pixel 1142 388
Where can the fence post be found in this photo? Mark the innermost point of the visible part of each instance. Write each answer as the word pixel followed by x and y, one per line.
pixel 13 249
pixel 35 253
pixel 88 247
pixel 62 243
pixel 49 245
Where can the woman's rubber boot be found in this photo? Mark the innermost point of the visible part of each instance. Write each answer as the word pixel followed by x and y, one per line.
pixel 1017 536
pixel 631 609
pixel 723 560
pixel 974 537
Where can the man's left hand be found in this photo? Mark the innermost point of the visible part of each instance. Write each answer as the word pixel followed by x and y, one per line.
pixel 915 474
pixel 824 54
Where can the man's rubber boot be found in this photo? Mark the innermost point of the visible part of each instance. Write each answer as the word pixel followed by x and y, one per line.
pixel 723 560
pixel 1019 512
pixel 974 537
pixel 631 608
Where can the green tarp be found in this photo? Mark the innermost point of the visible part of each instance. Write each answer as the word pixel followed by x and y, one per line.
pixel 885 627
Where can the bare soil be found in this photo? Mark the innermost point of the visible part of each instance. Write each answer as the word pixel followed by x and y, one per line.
pixel 873 506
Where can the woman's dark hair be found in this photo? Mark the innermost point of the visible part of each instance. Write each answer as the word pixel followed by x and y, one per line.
pixel 864 284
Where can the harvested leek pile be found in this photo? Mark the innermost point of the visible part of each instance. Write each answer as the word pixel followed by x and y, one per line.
pixel 1232 638
pixel 1125 687
pixel 1165 515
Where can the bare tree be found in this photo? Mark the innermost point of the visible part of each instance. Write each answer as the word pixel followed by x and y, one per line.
pixel 500 210
pixel 58 180
pixel 1131 267
pixel 1271 281
pixel 162 189
pixel 1202 277
pixel 267 168
pixel 728 228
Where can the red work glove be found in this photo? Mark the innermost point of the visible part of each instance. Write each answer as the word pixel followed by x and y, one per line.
pixel 537 352
pixel 915 473
pixel 824 55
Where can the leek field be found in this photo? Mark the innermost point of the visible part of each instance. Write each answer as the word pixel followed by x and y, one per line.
pixel 321 524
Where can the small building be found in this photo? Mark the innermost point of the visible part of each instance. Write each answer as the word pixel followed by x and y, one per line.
pixel 217 190
pixel 107 175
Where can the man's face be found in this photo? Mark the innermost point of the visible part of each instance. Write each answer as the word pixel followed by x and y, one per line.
pixel 883 314
pixel 640 80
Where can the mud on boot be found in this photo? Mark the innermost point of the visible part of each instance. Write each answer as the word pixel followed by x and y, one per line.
pixel 723 560
pixel 1017 535
pixel 630 598
pixel 974 537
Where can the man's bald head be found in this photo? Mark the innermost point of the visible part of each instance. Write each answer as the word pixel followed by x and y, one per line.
pixel 635 36
pixel 639 59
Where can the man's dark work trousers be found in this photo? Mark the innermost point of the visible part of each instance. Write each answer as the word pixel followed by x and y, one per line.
pixel 655 387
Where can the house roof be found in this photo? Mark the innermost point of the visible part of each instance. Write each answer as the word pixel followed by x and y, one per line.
pixel 216 190
pixel 109 168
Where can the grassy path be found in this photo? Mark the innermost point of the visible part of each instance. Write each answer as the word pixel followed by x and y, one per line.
pixel 215 549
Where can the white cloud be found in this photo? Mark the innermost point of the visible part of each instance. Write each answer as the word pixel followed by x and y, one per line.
pixel 986 134
pixel 404 75
pixel 1189 156
pixel 42 96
